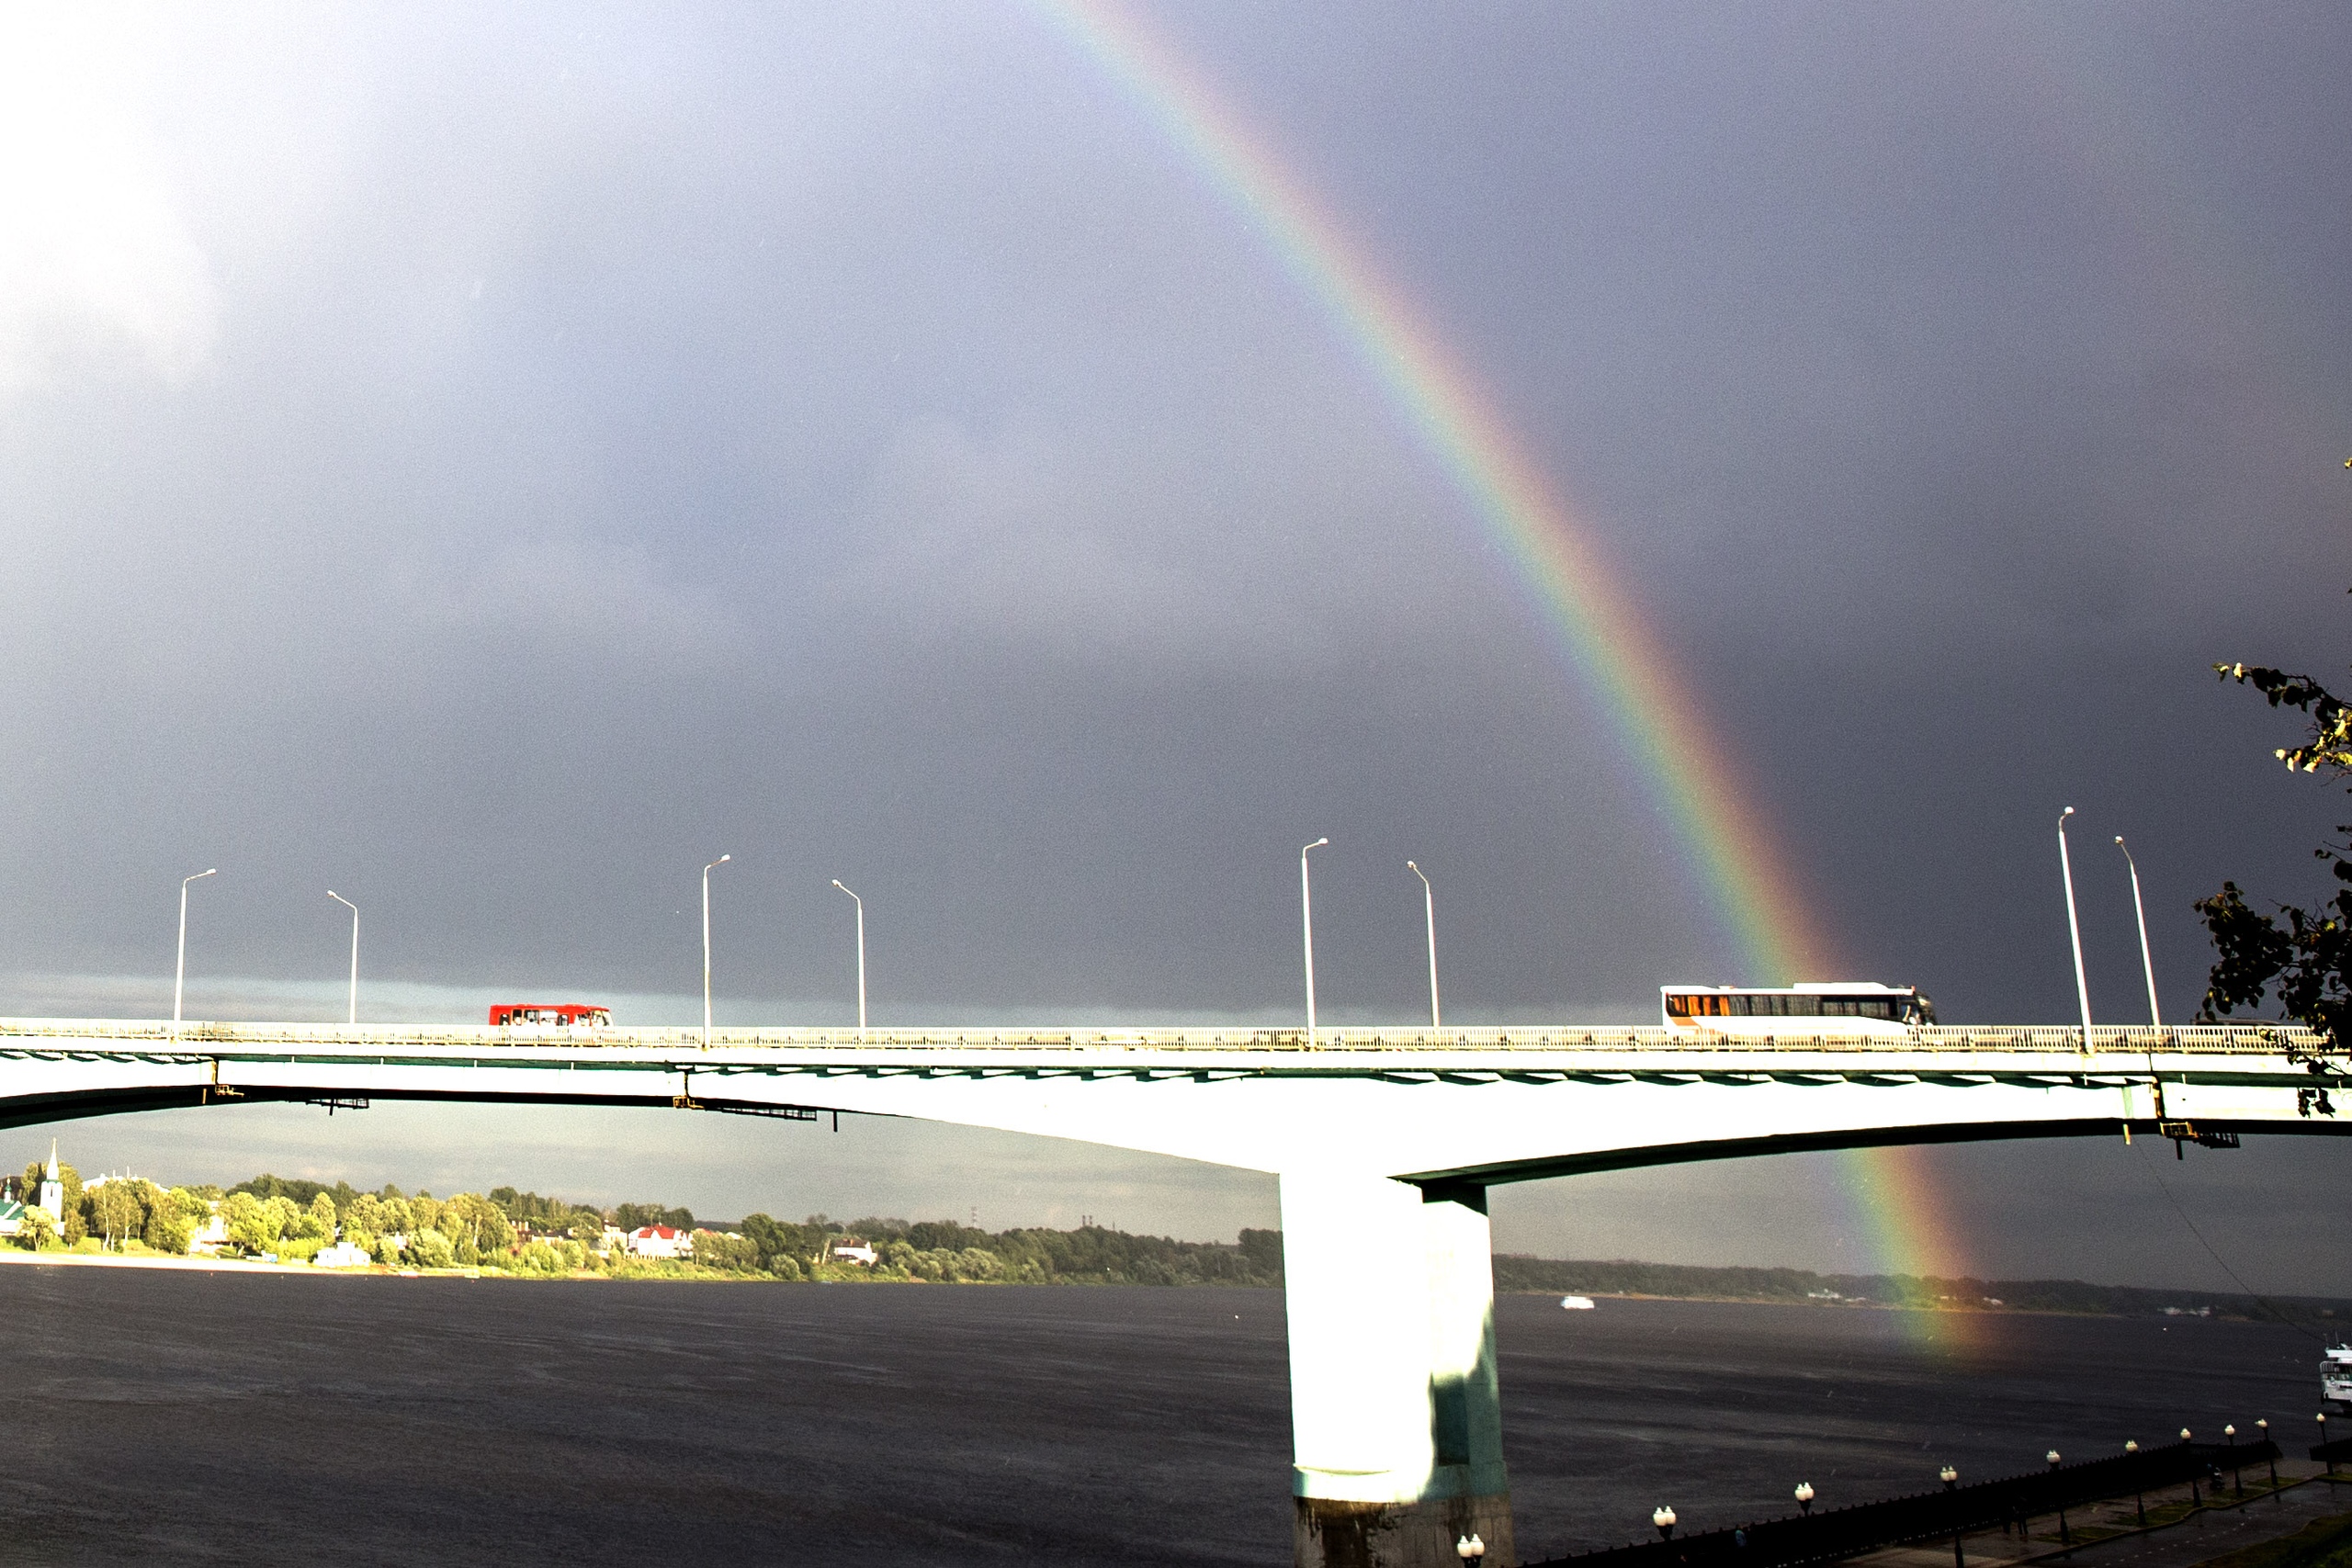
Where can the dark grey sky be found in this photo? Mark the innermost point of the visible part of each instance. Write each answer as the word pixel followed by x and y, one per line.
pixel 492 461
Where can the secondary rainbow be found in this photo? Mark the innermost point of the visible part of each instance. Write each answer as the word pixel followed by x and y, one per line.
pixel 1598 631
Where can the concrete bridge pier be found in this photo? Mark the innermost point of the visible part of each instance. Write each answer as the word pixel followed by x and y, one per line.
pixel 1396 1412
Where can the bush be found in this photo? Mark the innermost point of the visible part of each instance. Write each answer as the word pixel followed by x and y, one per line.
pixel 433 1250
pixel 539 1257
pixel 734 1254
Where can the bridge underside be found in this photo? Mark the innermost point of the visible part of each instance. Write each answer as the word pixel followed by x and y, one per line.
pixel 38 1110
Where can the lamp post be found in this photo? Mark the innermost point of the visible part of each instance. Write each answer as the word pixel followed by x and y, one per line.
pixel 1429 909
pixel 1307 919
pixel 179 976
pixel 2230 1433
pixel 1804 1495
pixel 861 957
pixel 1663 1518
pixel 2139 1482
pixel 351 1014
pixel 2269 1454
pixel 2322 1443
pixel 1949 1476
pixel 2074 928
pixel 2196 1498
pixel 2139 913
pixel 705 945
pixel 2063 1538
pixel 1470 1549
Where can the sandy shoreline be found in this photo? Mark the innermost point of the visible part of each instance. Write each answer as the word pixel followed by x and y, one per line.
pixel 158 1260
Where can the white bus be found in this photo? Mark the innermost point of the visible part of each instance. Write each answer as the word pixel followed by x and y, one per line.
pixel 1809 1008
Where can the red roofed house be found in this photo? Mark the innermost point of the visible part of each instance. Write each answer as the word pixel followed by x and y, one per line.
pixel 661 1241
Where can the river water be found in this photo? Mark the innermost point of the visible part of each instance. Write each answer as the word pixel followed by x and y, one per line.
pixel 185 1417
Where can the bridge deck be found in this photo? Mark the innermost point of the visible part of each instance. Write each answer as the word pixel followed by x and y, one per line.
pixel 210 1039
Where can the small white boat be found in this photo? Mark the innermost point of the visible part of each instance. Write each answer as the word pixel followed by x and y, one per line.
pixel 1577 1303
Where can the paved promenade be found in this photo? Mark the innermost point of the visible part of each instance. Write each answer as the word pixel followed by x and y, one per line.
pixel 2107 1535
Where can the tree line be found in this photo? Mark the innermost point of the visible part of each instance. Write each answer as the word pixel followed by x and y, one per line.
pixel 291 1219
pixel 1699 1282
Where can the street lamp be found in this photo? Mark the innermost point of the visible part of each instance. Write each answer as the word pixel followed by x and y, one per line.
pixel 2139 912
pixel 705 945
pixel 351 1016
pixel 1804 1495
pixel 1429 909
pixel 2230 1432
pixel 179 976
pixel 861 957
pixel 2139 1480
pixel 1950 1478
pixel 2196 1499
pixel 2063 1538
pixel 2322 1443
pixel 1663 1518
pixel 2269 1454
pixel 1470 1549
pixel 2074 928
pixel 1307 918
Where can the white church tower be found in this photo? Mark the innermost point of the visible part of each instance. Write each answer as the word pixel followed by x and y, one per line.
pixel 53 1190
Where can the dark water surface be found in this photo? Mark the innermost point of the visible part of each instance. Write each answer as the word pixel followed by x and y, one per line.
pixel 178 1416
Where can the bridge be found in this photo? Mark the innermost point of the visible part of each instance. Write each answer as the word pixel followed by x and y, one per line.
pixel 1385 1142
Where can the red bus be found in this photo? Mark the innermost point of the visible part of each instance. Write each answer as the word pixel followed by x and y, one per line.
pixel 559 1015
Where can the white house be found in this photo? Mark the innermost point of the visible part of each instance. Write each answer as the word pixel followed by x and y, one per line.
pixel 341 1255
pixel 661 1241
pixel 855 1251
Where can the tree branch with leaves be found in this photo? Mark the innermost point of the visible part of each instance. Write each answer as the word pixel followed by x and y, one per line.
pixel 2299 953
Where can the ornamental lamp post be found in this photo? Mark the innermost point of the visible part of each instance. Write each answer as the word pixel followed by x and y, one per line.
pixel 2139 1482
pixel 2322 1443
pixel 2238 1487
pixel 1950 1478
pixel 2196 1498
pixel 2063 1538
pixel 1804 1495
pixel 2271 1454
pixel 1663 1518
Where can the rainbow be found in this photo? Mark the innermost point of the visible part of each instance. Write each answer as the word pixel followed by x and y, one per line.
pixel 1661 726
pixel 1734 859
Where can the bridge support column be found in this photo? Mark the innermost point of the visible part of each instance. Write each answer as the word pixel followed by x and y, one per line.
pixel 1396 1413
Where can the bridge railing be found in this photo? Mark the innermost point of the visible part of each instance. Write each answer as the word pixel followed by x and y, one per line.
pixel 210 1038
